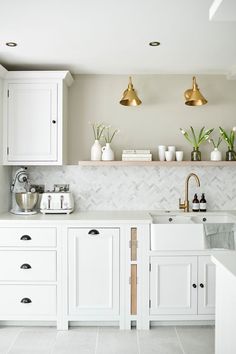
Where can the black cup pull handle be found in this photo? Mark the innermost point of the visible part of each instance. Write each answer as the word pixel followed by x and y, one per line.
pixel 25 238
pixel 202 285
pixel 26 300
pixel 25 266
pixel 93 232
pixel 194 286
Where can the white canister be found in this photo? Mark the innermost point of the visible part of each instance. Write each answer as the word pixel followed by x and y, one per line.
pixel 172 150
pixel 96 151
pixel 161 152
pixel 107 153
pixel 169 155
pixel 216 155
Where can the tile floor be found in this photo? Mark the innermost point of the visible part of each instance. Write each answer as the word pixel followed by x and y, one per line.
pixel 105 340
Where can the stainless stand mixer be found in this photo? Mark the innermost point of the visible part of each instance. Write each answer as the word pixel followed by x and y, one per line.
pixel 25 200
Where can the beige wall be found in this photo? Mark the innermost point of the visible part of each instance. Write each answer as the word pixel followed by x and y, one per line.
pixel 5 172
pixel 156 121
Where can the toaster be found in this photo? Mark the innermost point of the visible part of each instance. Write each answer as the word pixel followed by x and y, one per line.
pixel 57 203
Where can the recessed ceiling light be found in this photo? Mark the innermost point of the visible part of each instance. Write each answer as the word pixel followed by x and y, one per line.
pixel 11 44
pixel 154 44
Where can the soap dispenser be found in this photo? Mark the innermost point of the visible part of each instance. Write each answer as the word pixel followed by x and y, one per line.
pixel 196 205
pixel 203 203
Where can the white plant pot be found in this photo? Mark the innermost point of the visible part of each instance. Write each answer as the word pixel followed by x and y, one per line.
pixel 107 153
pixel 216 155
pixel 96 151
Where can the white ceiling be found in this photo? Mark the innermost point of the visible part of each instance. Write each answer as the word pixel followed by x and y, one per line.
pixel 112 36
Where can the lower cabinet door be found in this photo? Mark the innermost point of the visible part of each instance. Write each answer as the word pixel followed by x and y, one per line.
pixel 27 300
pixel 173 282
pixel 206 286
pixel 93 271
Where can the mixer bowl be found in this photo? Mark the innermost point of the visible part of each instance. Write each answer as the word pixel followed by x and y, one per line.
pixel 26 200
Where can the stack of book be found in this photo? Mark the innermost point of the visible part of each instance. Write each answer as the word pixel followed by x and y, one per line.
pixel 136 155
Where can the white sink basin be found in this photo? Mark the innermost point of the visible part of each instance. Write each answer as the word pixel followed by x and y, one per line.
pixel 213 219
pixel 176 232
pixel 171 219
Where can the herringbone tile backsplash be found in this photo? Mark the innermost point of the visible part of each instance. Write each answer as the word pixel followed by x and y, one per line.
pixel 140 188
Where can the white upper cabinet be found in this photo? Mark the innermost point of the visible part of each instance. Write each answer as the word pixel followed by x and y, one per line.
pixel 35 117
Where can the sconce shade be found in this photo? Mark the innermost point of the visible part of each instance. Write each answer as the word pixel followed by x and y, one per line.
pixel 130 97
pixel 193 96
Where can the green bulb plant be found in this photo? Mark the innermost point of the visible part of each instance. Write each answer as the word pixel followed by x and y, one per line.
pixel 196 139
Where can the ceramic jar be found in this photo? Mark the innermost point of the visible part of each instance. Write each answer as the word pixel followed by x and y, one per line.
pixel 216 155
pixel 107 153
pixel 96 151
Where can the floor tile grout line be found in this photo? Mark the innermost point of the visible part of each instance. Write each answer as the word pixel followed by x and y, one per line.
pixel 179 340
pixel 54 345
pixel 14 340
pixel 96 343
pixel 138 342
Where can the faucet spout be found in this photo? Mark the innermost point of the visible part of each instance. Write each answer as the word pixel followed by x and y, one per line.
pixel 185 204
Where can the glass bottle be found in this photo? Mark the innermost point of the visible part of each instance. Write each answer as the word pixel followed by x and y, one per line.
pixel 230 155
pixel 196 154
pixel 203 203
pixel 196 205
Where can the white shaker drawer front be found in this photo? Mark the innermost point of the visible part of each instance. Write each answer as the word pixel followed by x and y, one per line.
pixel 27 300
pixel 28 237
pixel 27 265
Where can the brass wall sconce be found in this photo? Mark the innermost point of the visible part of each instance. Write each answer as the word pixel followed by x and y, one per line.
pixel 130 97
pixel 193 96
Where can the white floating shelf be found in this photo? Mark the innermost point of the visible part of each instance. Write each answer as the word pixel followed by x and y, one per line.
pixel 158 163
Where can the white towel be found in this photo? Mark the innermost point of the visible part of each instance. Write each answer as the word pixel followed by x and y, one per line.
pixel 219 236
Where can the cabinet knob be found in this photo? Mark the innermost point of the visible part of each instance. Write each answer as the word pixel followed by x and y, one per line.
pixel 93 232
pixel 25 266
pixel 25 238
pixel 194 286
pixel 170 219
pixel 204 219
pixel 201 285
pixel 26 300
pixel 54 121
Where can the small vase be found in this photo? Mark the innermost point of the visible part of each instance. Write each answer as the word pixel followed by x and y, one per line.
pixel 216 155
pixel 107 153
pixel 230 155
pixel 196 154
pixel 96 151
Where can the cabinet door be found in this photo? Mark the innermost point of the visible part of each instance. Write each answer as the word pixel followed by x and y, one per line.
pixel 32 122
pixel 206 285
pixel 173 282
pixel 93 271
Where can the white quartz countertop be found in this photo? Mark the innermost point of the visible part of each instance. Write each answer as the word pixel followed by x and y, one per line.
pixel 85 216
pixel 227 260
pixel 124 216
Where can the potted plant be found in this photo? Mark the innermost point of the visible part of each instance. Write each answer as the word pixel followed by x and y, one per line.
pixel 216 154
pixel 229 139
pixel 108 135
pixel 196 140
pixel 96 149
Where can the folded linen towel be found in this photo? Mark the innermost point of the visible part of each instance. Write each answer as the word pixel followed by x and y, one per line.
pixel 219 235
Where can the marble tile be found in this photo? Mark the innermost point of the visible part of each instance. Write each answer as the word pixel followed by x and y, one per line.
pixel 34 341
pixel 8 336
pixel 115 341
pixel 197 339
pixel 138 187
pixel 76 341
pixel 159 340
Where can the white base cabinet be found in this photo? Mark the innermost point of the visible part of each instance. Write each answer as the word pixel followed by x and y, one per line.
pixel 93 259
pixel 182 285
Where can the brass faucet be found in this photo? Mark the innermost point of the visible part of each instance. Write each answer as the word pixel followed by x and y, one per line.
pixel 185 204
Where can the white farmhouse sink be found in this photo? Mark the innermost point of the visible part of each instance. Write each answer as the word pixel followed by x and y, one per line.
pixel 176 232
pixel 171 219
pixel 213 219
